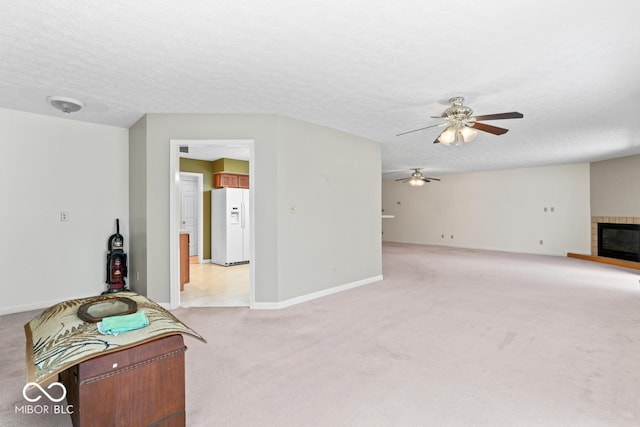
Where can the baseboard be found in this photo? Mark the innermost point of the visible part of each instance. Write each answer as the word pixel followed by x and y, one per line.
pixel 479 248
pixel 314 295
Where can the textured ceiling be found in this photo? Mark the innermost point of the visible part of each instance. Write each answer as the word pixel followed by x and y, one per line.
pixel 372 68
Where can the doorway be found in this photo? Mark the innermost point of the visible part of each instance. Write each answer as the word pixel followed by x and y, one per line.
pixel 202 268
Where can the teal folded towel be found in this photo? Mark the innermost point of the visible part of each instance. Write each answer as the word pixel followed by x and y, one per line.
pixel 115 325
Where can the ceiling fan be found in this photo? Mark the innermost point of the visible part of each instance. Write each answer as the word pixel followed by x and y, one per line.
pixel 462 127
pixel 417 179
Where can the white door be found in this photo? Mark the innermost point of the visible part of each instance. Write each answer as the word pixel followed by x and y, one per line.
pixel 189 215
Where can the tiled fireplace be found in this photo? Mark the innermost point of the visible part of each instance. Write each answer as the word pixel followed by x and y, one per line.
pixel 595 220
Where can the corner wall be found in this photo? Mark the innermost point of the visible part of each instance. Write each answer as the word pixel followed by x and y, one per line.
pixel 161 129
pixel 283 150
pixel 614 187
pixel 615 196
pixel 138 206
pixel 51 165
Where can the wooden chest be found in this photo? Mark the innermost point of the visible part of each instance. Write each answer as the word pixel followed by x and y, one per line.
pixel 138 386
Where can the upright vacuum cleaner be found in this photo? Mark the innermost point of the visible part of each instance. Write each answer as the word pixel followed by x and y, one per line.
pixel 116 262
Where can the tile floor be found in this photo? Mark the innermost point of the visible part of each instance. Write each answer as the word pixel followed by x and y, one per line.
pixel 212 285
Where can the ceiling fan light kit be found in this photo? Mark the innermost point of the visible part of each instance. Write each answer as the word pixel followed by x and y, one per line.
pixel 462 127
pixel 65 104
pixel 416 182
pixel 417 179
pixel 458 134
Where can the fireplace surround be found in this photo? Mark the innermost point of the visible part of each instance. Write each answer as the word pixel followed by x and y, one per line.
pixel 621 241
pixel 616 237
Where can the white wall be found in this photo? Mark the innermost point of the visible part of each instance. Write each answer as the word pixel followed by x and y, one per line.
pixel 499 210
pixel 328 208
pixel 49 165
pixel 138 207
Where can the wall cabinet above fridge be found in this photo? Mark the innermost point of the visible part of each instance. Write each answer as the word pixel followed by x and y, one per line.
pixel 230 180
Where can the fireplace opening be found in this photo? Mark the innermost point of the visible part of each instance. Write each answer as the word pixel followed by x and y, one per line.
pixel 621 241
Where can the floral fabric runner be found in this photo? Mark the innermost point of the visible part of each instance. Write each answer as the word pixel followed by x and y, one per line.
pixel 58 339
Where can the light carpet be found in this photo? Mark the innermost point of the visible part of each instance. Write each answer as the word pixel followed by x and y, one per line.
pixel 450 337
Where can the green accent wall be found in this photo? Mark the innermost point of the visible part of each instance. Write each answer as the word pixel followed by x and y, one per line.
pixel 206 169
pixel 230 165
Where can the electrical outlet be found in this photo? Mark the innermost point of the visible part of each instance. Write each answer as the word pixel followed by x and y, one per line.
pixel 552 209
pixel 64 216
pixel 545 209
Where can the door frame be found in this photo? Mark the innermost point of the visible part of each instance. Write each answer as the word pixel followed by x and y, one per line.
pixel 174 213
pixel 199 209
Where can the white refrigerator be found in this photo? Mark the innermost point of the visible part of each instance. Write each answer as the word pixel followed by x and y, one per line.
pixel 230 222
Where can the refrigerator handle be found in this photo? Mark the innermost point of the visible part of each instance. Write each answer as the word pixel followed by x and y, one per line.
pixel 242 214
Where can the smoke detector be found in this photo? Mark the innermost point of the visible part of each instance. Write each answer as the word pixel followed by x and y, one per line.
pixel 64 104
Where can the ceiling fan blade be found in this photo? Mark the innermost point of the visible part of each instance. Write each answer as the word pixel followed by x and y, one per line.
pixel 437 141
pixel 432 179
pixel 488 128
pixel 500 116
pixel 426 127
pixel 425 179
pixel 403 179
